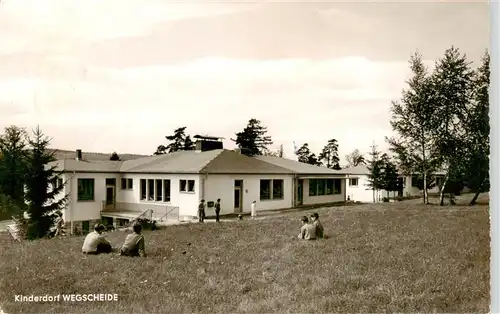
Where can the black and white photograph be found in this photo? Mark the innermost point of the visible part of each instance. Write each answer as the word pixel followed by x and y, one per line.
pixel 163 156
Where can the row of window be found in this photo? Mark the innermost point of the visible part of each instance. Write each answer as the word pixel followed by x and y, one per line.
pixel 155 190
pixel 318 187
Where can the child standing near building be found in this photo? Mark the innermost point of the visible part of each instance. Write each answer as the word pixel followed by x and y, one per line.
pixel 254 209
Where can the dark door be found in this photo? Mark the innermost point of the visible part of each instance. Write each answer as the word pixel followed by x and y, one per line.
pixel 238 188
pixel 237 200
pixel 110 195
pixel 300 191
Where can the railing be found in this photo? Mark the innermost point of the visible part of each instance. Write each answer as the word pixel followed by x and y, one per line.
pixel 168 212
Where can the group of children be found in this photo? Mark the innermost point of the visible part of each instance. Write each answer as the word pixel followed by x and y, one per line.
pixel 312 228
pixel 95 243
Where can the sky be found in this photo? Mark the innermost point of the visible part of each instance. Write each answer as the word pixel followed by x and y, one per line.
pixel 120 75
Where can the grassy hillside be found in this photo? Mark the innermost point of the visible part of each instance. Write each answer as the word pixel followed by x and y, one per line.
pixel 392 257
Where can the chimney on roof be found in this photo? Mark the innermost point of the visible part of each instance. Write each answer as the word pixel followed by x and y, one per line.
pixel 206 143
pixel 78 154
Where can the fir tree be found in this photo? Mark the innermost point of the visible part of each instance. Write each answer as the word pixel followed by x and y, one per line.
pixel 375 168
pixel 42 198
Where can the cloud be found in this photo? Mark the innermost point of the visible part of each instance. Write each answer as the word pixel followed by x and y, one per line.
pixel 296 99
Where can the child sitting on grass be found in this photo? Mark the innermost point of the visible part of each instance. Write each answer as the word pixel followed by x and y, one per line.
pixel 308 230
pixel 134 243
pixel 318 225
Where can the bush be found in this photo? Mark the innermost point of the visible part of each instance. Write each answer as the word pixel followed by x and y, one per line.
pixel 385 200
pixel 147 224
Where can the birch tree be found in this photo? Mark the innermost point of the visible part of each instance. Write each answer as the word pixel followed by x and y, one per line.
pixel 412 118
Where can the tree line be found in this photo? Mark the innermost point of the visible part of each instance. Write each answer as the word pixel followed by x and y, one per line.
pixel 441 124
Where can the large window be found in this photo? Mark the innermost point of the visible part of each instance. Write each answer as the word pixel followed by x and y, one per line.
pixel 353 182
pixel 166 190
pixel 143 189
pixel 271 190
pixel 159 190
pixel 186 186
pixel 151 190
pixel 319 187
pixel 85 190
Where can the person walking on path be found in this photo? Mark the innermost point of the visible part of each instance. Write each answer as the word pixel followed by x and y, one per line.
pixel 201 211
pixel 217 210
pixel 254 209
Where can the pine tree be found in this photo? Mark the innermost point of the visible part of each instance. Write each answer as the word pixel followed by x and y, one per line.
pixel 179 141
pixel 330 156
pixel 253 140
pixel 43 201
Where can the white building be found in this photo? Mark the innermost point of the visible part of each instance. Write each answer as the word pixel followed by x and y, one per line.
pixel 171 186
pixel 357 185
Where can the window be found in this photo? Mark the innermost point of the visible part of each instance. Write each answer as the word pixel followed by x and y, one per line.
pixel 127 184
pixel 166 190
pixel 265 190
pixel 143 189
pixel 159 191
pixel 353 182
pixel 277 189
pixel 319 187
pixel 190 185
pixel 111 181
pixel 313 187
pixel 85 190
pixel 151 190
pixel 186 185
pixel 329 186
pixel 183 185
pixel 337 186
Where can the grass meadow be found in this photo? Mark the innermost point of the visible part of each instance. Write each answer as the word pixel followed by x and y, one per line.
pixel 394 257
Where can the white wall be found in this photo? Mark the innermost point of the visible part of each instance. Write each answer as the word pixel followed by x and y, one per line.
pixel 86 210
pixel 323 199
pixel 362 192
pixel 222 186
pixel 186 201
